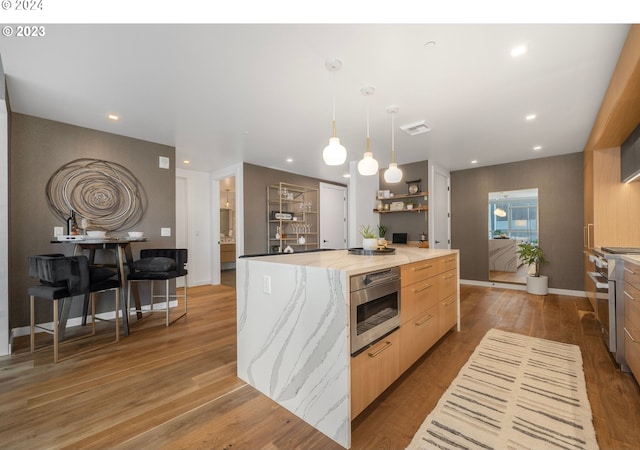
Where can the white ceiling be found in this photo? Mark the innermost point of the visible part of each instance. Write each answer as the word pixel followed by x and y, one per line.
pixel 222 94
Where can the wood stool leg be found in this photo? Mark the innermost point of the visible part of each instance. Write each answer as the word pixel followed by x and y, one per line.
pixel 55 331
pixel 117 314
pixel 33 323
pixel 167 299
pixel 93 313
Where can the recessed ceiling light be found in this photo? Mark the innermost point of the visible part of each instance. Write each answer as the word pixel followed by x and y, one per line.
pixel 113 117
pixel 475 161
pixel 346 175
pixel 430 44
pixel 537 147
pixel 518 51
pixel 530 116
pixel 186 161
pixel 289 160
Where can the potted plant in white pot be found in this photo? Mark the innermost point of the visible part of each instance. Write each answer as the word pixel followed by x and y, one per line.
pixel 369 239
pixel 532 255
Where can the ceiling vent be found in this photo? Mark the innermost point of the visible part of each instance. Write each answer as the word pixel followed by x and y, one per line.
pixel 415 128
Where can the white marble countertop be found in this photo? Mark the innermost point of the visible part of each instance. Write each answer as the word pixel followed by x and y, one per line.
pixel 632 258
pixel 355 264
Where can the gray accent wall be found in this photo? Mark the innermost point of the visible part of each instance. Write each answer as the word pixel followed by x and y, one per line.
pixel 38 148
pixel 256 180
pixel 559 180
pixel 412 223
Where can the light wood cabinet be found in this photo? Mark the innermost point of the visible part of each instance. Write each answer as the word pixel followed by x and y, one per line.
pixel 429 306
pixel 447 314
pixel 372 371
pixel 608 219
pixel 227 253
pixel 632 317
pixel 418 271
pixel 417 335
pixel 428 309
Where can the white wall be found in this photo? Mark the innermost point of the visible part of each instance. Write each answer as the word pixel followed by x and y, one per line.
pixel 198 233
pixel 5 343
pixel 362 201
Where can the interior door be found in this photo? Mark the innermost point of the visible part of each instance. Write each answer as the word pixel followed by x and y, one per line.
pixel 439 208
pixel 333 216
pixel 182 214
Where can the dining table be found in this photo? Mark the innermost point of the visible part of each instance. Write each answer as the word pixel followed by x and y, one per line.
pixel 121 247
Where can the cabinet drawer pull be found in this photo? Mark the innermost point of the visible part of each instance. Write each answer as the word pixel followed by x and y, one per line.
pixel 380 350
pixel 422 322
pixel 629 334
pixel 415 291
pixel 448 277
pixel 415 269
pixel 447 304
pixel 630 297
pixel 449 260
pixel 629 270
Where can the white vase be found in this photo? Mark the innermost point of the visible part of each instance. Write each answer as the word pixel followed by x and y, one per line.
pixel 537 285
pixel 370 244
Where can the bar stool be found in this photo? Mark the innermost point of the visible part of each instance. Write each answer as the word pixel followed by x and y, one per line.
pixel 63 277
pixel 157 265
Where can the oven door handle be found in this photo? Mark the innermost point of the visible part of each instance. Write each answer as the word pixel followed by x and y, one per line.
pixel 599 284
pixel 380 277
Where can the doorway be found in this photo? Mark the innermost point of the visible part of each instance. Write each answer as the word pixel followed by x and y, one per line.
pixel 333 216
pixel 228 231
pixel 439 207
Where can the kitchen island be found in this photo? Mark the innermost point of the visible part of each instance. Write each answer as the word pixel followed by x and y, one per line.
pixel 294 328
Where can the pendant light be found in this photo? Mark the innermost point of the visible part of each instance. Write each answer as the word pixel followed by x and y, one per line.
pixel 368 165
pixel 393 174
pixel 500 212
pixel 334 154
pixel 227 197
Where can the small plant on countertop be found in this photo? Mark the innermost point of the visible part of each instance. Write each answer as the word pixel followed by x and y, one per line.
pixel 367 232
pixel 530 254
pixel 382 230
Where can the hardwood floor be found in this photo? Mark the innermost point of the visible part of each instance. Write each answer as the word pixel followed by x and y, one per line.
pixel 176 387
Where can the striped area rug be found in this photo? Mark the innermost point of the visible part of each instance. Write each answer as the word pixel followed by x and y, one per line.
pixel 515 392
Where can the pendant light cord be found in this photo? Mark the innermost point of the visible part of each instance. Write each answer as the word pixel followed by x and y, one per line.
pixel 368 140
pixel 333 116
pixel 393 141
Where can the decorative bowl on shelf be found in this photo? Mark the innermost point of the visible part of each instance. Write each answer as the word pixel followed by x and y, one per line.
pixel 96 233
pixel 136 234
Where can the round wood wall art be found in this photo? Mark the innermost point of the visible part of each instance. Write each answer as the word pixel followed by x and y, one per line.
pixel 105 193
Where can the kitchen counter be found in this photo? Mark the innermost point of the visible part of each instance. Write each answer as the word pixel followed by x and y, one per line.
pixel 355 264
pixel 632 258
pixel 293 329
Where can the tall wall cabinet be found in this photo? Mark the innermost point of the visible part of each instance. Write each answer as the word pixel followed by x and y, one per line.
pixel 292 218
pixel 611 213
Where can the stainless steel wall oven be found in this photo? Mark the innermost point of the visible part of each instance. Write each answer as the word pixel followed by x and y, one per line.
pixel 375 307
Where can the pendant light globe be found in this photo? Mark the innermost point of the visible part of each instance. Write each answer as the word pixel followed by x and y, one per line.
pixel 334 154
pixel 393 174
pixel 367 165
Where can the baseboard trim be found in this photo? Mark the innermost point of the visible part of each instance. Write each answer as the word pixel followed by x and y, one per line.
pixel 77 321
pixel 522 287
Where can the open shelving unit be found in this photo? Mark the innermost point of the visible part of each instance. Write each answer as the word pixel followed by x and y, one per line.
pixel 421 203
pixel 292 218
